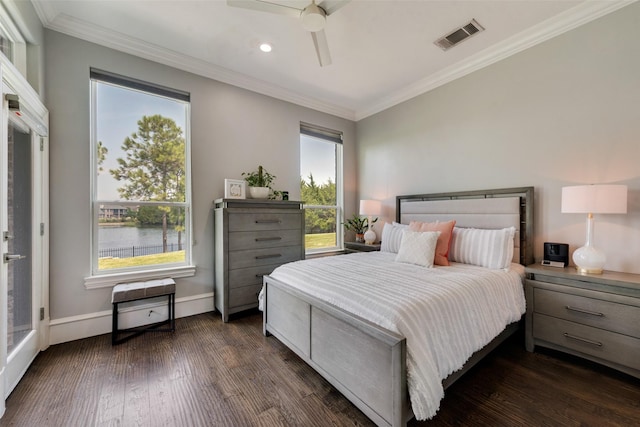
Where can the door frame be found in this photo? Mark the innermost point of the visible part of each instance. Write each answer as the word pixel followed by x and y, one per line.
pixel 34 114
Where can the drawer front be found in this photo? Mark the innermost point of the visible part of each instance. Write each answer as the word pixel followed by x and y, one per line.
pixel 264 239
pixel 607 315
pixel 249 276
pixel 261 257
pixel 617 348
pixel 264 221
pixel 246 295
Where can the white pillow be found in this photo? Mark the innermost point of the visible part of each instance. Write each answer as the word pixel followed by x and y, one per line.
pixel 483 247
pixel 391 237
pixel 418 247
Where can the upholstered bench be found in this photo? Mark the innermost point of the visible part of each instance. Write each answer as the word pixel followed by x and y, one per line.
pixel 126 292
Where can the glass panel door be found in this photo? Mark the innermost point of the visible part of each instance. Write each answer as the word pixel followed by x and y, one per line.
pixel 24 197
pixel 20 258
pixel 19 237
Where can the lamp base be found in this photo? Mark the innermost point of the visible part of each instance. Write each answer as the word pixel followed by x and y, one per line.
pixel 589 260
pixel 581 270
pixel 370 237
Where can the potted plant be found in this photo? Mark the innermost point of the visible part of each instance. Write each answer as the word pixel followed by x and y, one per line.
pixel 358 225
pixel 259 183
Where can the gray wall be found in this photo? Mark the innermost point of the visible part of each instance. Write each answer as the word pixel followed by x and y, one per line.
pixel 565 112
pixel 232 131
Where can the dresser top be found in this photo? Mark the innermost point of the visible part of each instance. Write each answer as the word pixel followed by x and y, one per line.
pixel 257 203
pixel 612 278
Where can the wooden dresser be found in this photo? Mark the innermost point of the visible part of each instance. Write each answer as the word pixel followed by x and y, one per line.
pixel 252 237
pixel 596 317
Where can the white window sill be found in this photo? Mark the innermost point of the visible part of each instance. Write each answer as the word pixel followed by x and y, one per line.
pixel 323 253
pixel 109 280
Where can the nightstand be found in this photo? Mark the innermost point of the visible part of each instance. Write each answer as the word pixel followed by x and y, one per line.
pixel 596 317
pixel 361 247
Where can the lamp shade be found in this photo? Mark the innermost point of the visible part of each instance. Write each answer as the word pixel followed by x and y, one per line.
pixel 590 199
pixel 370 207
pixel 601 199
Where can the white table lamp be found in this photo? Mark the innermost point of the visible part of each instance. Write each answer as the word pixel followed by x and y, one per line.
pixel 591 199
pixel 370 208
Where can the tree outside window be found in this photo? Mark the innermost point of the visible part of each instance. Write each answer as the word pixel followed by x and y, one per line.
pixel 321 192
pixel 142 196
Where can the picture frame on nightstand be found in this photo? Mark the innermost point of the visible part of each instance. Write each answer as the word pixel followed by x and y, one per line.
pixel 235 189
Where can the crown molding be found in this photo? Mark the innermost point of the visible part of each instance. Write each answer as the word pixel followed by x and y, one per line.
pixel 115 40
pixel 566 21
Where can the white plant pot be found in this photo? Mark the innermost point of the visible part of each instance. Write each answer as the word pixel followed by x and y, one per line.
pixel 259 192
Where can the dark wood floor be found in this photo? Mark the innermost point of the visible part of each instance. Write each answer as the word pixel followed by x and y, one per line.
pixel 214 374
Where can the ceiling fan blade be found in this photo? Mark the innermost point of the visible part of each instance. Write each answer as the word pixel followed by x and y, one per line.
pixel 322 48
pixel 265 6
pixel 331 6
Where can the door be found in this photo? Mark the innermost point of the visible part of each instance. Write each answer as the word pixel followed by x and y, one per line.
pixel 24 242
pixel 20 255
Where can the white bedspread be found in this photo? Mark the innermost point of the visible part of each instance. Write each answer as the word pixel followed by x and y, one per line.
pixel 445 313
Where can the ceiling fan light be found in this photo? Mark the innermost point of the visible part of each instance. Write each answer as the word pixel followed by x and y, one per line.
pixel 313 18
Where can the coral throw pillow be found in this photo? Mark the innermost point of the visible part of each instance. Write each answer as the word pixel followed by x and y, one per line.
pixel 444 240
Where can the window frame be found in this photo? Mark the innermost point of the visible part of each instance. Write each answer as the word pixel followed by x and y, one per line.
pixel 18 45
pixel 331 136
pixel 103 278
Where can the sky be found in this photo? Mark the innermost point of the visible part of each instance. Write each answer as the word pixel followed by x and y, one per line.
pixel 317 157
pixel 118 112
pixel 119 109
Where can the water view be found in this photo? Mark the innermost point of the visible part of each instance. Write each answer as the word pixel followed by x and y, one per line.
pixel 122 241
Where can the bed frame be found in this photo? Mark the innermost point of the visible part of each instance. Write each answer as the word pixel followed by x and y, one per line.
pixel 365 362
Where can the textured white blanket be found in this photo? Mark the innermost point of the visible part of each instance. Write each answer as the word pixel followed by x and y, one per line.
pixel 445 313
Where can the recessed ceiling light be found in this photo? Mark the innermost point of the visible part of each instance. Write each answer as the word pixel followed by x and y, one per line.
pixel 265 47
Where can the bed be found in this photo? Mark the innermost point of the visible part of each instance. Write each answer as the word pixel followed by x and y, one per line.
pixel 365 358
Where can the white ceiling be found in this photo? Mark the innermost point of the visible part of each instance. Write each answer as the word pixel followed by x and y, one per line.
pixel 382 50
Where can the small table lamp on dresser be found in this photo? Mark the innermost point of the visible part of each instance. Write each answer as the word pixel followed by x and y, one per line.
pixel 369 208
pixel 590 199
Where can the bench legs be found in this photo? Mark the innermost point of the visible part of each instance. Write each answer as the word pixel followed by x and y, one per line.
pixel 154 327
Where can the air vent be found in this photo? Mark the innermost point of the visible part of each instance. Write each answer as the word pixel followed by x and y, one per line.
pixel 458 35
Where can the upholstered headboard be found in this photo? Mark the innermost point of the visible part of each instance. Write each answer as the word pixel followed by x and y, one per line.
pixel 494 209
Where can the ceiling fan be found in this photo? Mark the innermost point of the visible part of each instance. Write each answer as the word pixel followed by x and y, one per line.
pixel 312 17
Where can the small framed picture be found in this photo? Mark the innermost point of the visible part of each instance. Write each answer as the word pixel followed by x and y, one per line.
pixel 234 189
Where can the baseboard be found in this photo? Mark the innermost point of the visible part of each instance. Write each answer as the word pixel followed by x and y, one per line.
pixel 92 324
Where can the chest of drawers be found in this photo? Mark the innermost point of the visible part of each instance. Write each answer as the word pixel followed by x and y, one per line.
pixel 252 238
pixel 596 317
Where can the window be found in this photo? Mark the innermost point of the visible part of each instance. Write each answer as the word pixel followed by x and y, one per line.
pixel 141 196
pixel 321 187
pixel 12 43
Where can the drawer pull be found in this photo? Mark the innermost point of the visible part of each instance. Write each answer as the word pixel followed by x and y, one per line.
pixel 584 340
pixel 268 221
pixel 268 256
pixel 267 239
pixel 581 310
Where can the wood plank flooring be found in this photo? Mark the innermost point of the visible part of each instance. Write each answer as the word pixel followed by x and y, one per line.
pixel 213 374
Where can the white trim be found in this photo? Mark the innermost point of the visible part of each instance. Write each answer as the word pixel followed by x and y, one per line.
pixel 88 325
pixel 33 110
pixel 15 35
pixel 15 370
pixel 44 218
pixel 109 280
pixel 35 115
pixel 18 21
pixel 570 19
